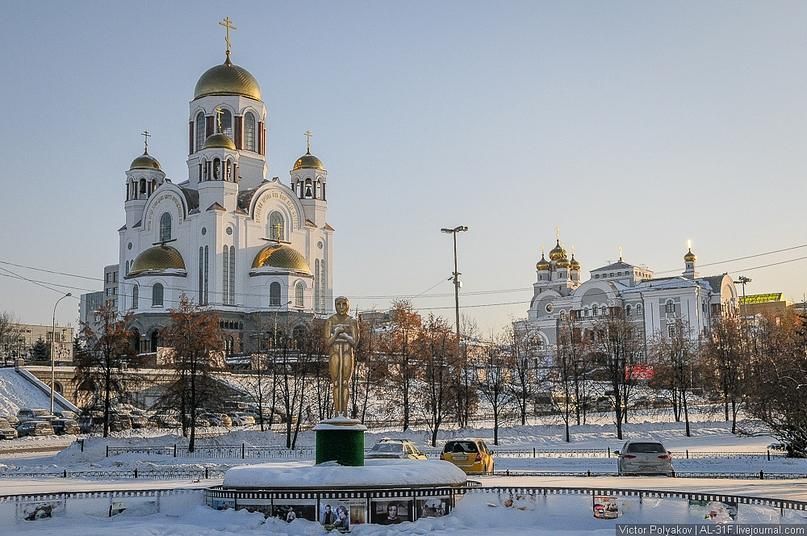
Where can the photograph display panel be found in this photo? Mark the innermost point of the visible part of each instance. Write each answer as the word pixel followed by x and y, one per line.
pixel 391 511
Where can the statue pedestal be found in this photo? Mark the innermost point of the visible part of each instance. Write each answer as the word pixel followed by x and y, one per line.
pixel 340 440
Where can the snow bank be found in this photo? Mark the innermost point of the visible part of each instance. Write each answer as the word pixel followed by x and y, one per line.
pixel 377 473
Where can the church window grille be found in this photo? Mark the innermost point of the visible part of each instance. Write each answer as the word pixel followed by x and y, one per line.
pixel 299 294
pixel 227 123
pixel 274 294
pixel 157 295
pixel 249 131
pixel 135 296
pixel 225 298
pixel 276 226
pixel 669 307
pixel 200 131
pixel 232 276
pixel 165 227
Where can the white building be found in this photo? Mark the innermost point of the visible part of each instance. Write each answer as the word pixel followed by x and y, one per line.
pixel 225 235
pixel 656 304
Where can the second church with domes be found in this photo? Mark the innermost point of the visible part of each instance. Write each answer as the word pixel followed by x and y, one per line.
pixel 258 251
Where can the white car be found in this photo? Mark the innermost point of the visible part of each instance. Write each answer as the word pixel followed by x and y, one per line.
pixel 644 458
pixel 395 448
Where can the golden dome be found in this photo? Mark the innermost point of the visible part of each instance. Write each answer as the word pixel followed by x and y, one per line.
pixel 563 262
pixel 557 252
pixel 227 79
pixel 283 257
pixel 308 161
pixel 157 259
pixel 145 161
pixel 543 264
pixel 219 141
pixel 690 257
pixel 574 264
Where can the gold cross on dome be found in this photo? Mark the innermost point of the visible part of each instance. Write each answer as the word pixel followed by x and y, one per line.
pixel 219 113
pixel 557 232
pixel 308 135
pixel 146 137
pixel 228 25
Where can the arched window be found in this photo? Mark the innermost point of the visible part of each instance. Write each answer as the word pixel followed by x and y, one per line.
pixel 627 310
pixel 274 294
pixel 308 194
pixel 276 226
pixel 249 131
pixel 200 130
pixel 669 307
pixel 157 295
pixel 227 123
pixel 638 308
pixel 216 169
pixel 165 227
pixel 299 294
pixel 135 296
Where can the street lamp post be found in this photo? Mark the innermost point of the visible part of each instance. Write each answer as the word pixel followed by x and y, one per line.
pixel 456 278
pixel 53 351
pixel 742 280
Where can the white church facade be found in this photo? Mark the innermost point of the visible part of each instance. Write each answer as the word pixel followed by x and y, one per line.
pixel 657 305
pixel 257 251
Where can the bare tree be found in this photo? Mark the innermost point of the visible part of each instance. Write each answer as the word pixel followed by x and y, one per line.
pixel 523 350
pixel 726 352
pixel 618 344
pixel 99 367
pixel 673 355
pixel 396 346
pixel 564 375
pixel 434 351
pixel 196 341
pixel 493 378
pixel 9 336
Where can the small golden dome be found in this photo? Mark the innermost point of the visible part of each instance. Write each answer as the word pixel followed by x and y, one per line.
pixel 157 259
pixel 690 257
pixel 574 264
pixel 227 79
pixel 563 262
pixel 283 257
pixel 219 141
pixel 543 265
pixel 145 161
pixel 308 161
pixel 557 252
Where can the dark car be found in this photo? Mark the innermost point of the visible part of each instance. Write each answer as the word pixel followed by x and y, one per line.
pixel 6 430
pixel 85 423
pixel 65 426
pixel 25 414
pixel 35 428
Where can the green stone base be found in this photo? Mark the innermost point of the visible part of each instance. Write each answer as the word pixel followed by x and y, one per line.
pixel 344 446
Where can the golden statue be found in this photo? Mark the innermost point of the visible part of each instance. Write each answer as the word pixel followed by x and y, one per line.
pixel 341 338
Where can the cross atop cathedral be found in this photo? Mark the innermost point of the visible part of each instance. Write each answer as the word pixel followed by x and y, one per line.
pixel 557 233
pixel 620 253
pixel 308 135
pixel 146 137
pixel 219 113
pixel 228 25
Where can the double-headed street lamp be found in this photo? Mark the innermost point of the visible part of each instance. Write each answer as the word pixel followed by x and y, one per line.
pixel 53 351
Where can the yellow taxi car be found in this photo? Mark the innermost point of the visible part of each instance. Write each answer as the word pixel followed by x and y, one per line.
pixel 471 455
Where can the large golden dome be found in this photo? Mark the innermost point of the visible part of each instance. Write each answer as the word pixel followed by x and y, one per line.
pixel 157 259
pixel 557 252
pixel 145 161
pixel 308 161
pixel 227 79
pixel 283 257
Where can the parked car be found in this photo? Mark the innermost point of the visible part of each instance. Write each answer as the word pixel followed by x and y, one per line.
pixel 35 428
pixel 218 419
pixel 139 420
pixel 12 420
pixel 85 423
pixel 471 455
pixel 166 420
pixel 66 414
pixel 644 458
pixel 65 426
pixel 395 448
pixel 25 414
pixel 242 419
pixel 6 430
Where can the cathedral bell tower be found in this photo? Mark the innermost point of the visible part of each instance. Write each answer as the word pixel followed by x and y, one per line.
pixel 219 160
pixel 308 180
pixel 142 179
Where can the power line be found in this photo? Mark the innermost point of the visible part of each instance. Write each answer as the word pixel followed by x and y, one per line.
pixel 740 258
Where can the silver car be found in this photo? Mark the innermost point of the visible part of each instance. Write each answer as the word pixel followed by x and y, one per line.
pixel 644 458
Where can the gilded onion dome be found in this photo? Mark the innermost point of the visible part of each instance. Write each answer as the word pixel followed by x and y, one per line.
pixel 543 265
pixel 574 264
pixel 283 257
pixel 227 79
pixel 145 161
pixel 563 262
pixel 219 141
pixel 157 259
pixel 557 252
pixel 690 257
pixel 308 161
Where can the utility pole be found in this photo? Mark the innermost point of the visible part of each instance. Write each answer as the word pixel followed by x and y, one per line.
pixel 742 280
pixel 53 352
pixel 457 283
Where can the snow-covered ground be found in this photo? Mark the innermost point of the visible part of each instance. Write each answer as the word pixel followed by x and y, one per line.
pixel 17 392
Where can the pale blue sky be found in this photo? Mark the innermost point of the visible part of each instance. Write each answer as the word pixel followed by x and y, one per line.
pixel 640 124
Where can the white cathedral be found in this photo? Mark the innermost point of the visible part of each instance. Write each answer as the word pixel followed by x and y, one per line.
pixel 658 305
pixel 225 236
